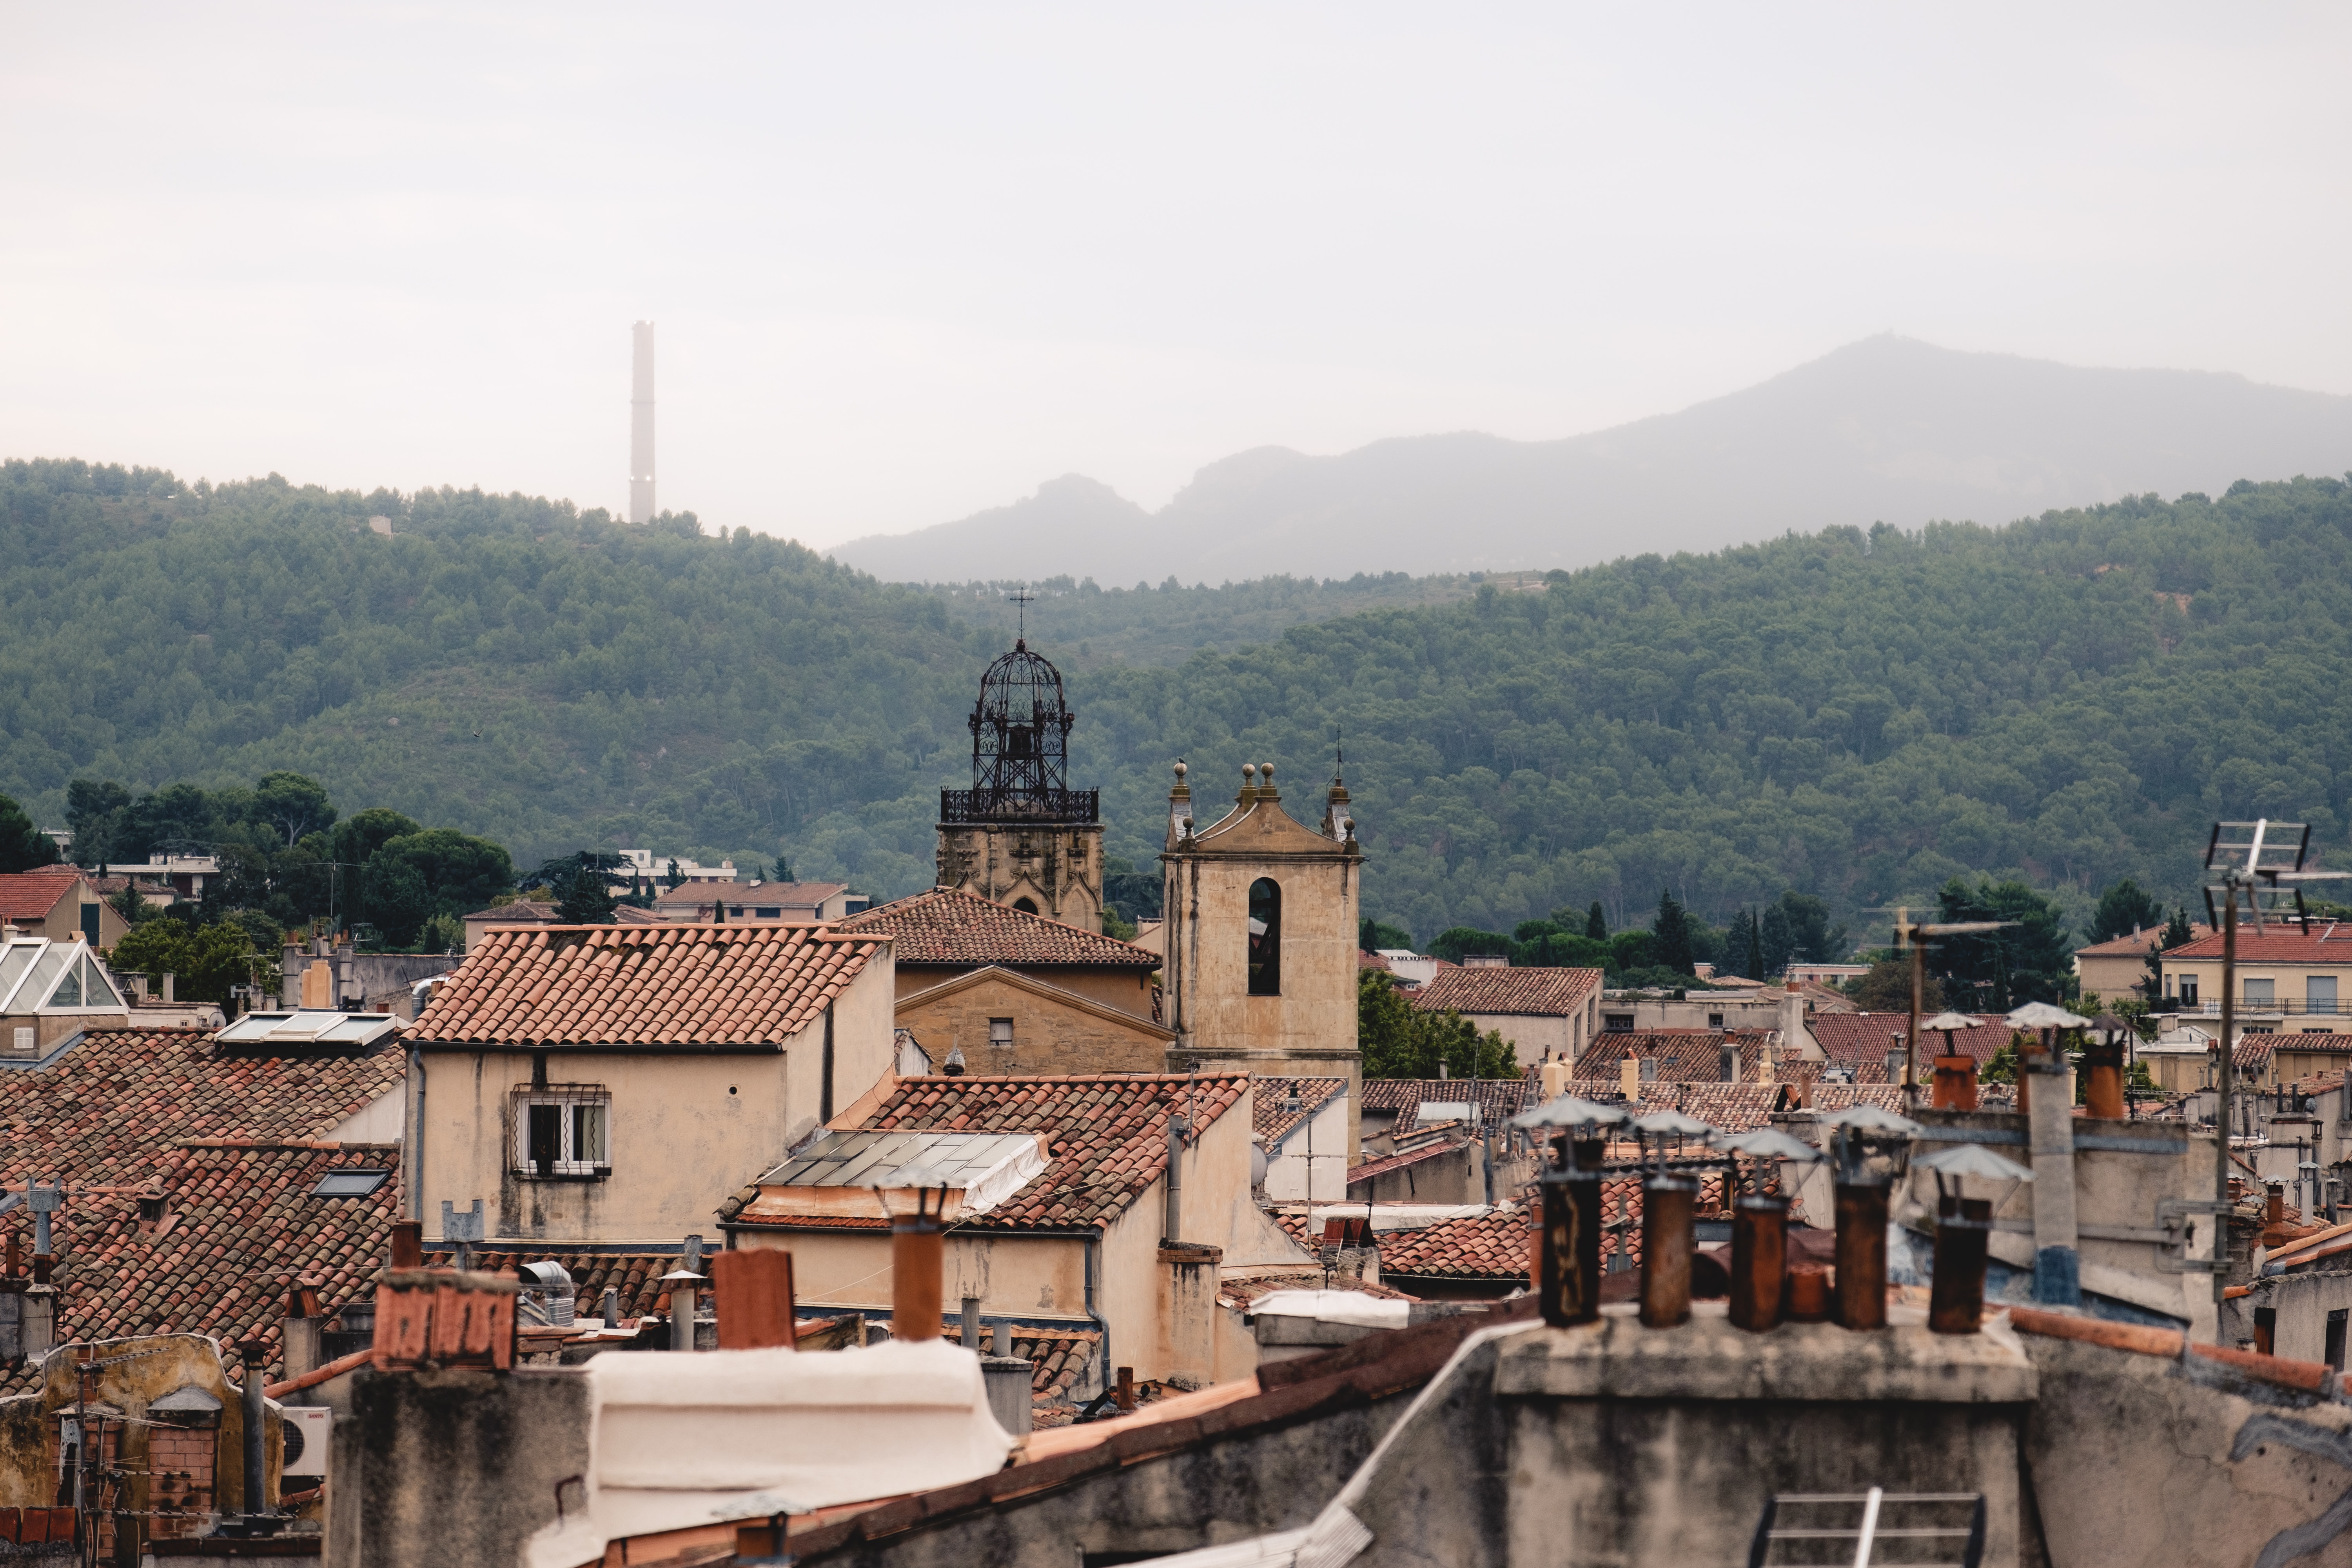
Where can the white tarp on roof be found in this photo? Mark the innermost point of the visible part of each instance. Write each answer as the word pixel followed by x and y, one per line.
pixel 1334 1307
pixel 684 1440
pixel 986 1168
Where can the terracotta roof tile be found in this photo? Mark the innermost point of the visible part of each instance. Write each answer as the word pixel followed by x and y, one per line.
pixel 2330 942
pixel 2138 942
pixel 1270 1122
pixel 1372 1169
pixel 949 926
pixel 1538 992
pixel 1490 1245
pixel 1106 1137
pixel 667 984
pixel 1683 1055
pixel 31 894
pixel 239 1224
pixel 1859 1040
pixel 1501 1097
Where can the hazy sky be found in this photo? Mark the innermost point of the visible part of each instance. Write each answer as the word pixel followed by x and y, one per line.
pixel 908 261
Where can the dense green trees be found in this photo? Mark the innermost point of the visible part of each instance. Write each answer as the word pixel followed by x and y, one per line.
pixel 374 869
pixel 2122 910
pixel 1993 972
pixel 203 960
pixel 1399 1040
pixel 1861 717
pixel 22 845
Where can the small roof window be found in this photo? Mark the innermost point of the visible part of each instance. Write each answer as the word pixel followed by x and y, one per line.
pixel 349 1183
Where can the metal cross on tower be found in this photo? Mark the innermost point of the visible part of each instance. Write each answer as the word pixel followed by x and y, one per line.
pixel 1024 598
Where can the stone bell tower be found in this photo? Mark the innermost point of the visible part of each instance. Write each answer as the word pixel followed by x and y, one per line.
pixel 1260 925
pixel 1020 835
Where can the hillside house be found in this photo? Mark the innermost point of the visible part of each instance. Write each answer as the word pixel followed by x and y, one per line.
pixel 61 904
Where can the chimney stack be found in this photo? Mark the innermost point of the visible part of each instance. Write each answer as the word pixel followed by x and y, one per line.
pixel 1629 1079
pixel 1649 1069
pixel 1730 1073
pixel 755 1293
pixel 1895 1063
pixel 917 1258
pixel 641 426
pixel 1555 1079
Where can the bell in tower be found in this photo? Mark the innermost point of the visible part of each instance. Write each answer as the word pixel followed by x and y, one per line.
pixel 1020 836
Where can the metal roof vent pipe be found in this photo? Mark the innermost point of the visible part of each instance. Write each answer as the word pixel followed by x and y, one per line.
pixel 1760 1225
pixel 1570 1140
pixel 1964 1230
pixel 1869 1150
pixel 551 1298
pixel 1174 1226
pixel 918 1259
pixel 1668 1196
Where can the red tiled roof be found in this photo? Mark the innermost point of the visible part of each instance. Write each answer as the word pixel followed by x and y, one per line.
pixel 1683 1055
pixel 2138 942
pixel 1058 1358
pixel 1367 960
pixel 1271 1122
pixel 105 1111
pixel 1106 1137
pixel 1859 1040
pixel 949 926
pixel 1829 1098
pixel 1500 1097
pixel 1730 1106
pixel 2329 942
pixel 635 1275
pixel 1490 1245
pixel 31 894
pixel 238 1225
pixel 1371 1169
pixel 1540 993
pixel 659 985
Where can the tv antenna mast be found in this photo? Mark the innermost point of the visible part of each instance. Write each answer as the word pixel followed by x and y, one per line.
pixel 1915 935
pixel 2258 867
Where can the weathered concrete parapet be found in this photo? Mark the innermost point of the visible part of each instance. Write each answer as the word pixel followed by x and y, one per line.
pixel 1707 1359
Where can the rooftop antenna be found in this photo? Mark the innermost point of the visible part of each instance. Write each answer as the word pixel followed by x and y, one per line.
pixel 1024 598
pixel 2258 867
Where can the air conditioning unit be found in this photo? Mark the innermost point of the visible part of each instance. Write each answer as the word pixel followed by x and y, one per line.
pixel 306 1431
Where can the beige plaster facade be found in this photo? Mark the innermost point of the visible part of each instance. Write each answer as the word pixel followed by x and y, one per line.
pixel 1054 870
pixel 685 1125
pixel 1307 1027
pixel 1005 1021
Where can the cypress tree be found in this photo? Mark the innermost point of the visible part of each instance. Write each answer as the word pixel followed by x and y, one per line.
pixel 1595 927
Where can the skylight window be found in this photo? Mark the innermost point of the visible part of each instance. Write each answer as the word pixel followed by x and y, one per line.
pixel 349 1183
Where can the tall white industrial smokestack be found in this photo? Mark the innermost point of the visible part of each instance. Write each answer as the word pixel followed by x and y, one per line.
pixel 641 426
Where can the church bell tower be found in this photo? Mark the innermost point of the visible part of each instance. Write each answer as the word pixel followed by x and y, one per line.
pixel 1020 836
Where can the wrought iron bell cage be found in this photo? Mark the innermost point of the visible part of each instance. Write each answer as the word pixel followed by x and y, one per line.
pixel 1020 749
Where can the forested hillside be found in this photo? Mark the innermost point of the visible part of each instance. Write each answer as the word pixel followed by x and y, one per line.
pixel 1859 716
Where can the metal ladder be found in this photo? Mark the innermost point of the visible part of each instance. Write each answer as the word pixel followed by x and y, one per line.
pixel 1820 1514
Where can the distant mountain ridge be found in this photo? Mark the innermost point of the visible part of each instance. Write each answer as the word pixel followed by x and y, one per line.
pixel 1887 429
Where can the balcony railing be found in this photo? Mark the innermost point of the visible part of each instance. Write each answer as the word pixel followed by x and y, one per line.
pixel 1048 807
pixel 2211 1007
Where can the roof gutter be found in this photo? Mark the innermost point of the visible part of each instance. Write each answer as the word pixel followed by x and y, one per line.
pixel 416 1155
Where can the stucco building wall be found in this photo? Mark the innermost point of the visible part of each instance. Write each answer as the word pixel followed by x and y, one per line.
pixel 1054 1031
pixel 685 1128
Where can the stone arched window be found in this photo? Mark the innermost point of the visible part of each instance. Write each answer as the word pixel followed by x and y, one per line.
pixel 1265 938
pixel 1027 906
